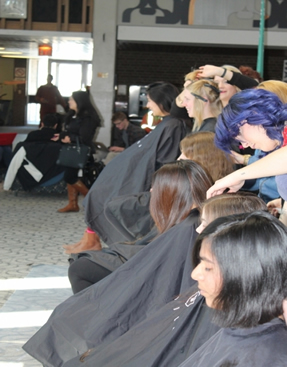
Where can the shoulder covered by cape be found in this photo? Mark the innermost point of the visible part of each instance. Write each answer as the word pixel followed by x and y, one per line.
pixel 109 308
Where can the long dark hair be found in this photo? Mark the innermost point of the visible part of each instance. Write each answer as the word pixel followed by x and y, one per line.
pixel 177 188
pixel 251 251
pixel 163 94
pixel 84 106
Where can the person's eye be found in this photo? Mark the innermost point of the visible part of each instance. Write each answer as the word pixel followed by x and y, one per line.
pixel 208 269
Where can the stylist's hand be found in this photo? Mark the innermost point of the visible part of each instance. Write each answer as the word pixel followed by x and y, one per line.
pixel 227 182
pixel 66 139
pixel 209 71
pixel 236 157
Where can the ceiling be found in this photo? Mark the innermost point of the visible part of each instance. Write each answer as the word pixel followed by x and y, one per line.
pixel 66 45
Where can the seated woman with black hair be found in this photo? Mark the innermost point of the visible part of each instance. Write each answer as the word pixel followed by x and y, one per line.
pixel 240 266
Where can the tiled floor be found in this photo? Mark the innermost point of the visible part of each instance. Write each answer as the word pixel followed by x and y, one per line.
pixel 32 235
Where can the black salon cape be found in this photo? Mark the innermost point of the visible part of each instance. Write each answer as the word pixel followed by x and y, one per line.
pixel 262 346
pixel 131 172
pixel 130 215
pixel 166 338
pixel 116 255
pixel 109 308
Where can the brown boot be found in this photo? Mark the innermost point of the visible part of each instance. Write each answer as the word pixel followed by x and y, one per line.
pixel 73 201
pixel 81 187
pixel 90 241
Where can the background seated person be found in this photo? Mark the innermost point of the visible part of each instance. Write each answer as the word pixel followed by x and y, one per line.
pixel 126 133
pixel 46 131
pixel 34 160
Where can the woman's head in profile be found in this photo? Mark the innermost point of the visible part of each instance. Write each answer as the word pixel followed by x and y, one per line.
pixel 177 188
pixel 80 102
pixel 160 96
pixel 240 264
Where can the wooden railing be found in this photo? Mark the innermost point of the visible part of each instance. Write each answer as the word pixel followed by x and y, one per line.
pixel 62 23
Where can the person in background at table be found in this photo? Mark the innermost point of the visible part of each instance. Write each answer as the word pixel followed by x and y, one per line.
pixel 126 133
pixel 49 96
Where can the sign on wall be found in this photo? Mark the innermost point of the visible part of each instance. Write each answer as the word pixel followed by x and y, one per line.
pixel 13 9
pixel 232 14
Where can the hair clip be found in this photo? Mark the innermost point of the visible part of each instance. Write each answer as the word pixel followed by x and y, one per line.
pixel 199 97
pixel 216 90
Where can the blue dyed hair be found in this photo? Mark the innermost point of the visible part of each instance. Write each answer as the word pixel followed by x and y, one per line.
pixel 255 107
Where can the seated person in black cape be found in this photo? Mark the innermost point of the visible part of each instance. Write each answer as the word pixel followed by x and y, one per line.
pixel 149 280
pixel 242 274
pixel 131 171
pixel 91 266
pixel 173 332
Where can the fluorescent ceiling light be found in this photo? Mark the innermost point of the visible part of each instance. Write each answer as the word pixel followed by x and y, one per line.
pixel 11 53
pixel 19 57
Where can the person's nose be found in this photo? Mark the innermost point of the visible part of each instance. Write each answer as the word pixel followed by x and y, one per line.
pixel 221 84
pixel 196 274
pixel 245 145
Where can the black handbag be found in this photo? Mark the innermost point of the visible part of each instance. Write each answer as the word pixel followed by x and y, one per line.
pixel 74 155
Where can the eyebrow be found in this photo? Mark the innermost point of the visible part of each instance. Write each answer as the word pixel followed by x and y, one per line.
pixel 205 259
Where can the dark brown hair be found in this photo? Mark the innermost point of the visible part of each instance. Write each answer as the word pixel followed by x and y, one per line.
pixel 121 116
pixel 177 188
pixel 201 148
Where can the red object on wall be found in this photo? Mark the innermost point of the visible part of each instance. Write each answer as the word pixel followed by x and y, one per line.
pixel 45 50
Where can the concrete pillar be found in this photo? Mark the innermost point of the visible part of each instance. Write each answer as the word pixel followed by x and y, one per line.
pixel 102 88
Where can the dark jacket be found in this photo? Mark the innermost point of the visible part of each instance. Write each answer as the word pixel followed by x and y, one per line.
pixel 108 309
pixel 134 133
pixel 83 127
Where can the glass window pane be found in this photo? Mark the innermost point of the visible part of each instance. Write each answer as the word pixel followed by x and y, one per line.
pixel 69 78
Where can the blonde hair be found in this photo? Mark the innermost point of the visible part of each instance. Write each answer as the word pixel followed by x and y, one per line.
pixel 227 204
pixel 275 86
pixel 191 76
pixel 200 147
pixel 206 89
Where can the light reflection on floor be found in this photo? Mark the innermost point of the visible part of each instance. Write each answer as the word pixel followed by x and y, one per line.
pixel 34 283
